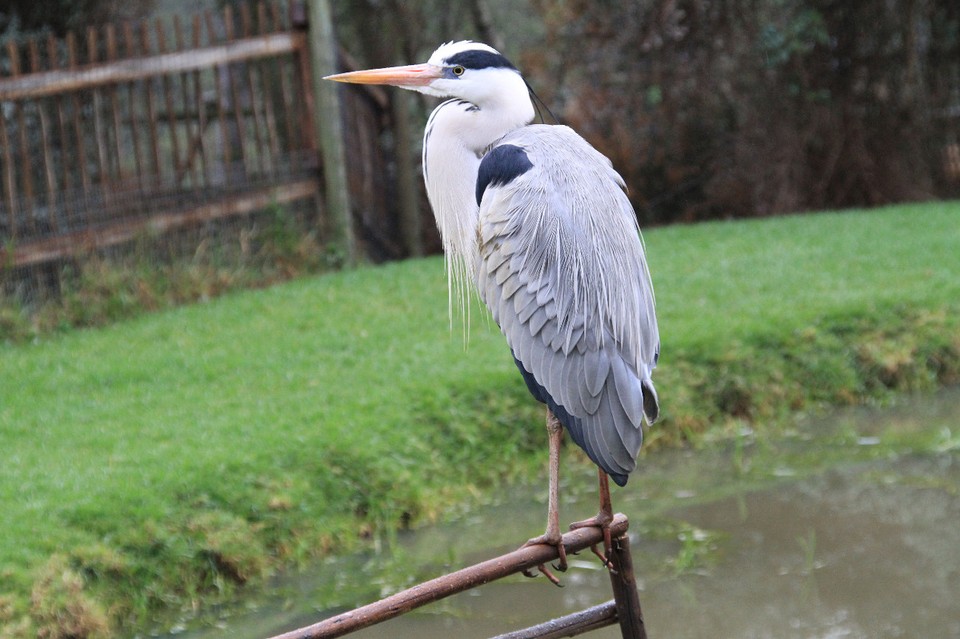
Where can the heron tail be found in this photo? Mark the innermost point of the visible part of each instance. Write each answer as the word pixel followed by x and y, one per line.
pixel 651 405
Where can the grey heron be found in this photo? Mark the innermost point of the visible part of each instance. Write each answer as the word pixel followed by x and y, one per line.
pixel 540 222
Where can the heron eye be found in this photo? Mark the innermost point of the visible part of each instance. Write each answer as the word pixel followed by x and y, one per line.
pixel 458 70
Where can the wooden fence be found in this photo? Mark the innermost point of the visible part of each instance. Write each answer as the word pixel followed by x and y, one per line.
pixel 136 129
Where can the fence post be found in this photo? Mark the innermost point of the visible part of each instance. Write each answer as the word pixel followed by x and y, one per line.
pixel 624 584
pixel 328 122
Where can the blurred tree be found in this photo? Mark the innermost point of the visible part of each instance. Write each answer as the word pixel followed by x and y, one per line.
pixel 747 107
pixel 60 16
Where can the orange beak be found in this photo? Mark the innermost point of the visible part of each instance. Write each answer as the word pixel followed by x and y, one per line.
pixel 413 75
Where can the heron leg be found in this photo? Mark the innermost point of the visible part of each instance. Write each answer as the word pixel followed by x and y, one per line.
pixel 552 534
pixel 602 520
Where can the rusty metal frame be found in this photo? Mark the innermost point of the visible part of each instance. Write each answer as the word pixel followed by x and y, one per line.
pixel 623 609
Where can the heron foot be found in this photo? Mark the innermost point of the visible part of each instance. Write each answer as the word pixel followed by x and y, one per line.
pixel 561 564
pixel 601 521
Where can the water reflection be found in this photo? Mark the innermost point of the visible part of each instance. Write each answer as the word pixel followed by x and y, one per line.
pixel 867 551
pixel 847 527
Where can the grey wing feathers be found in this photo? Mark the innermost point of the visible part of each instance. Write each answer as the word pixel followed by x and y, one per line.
pixel 563 270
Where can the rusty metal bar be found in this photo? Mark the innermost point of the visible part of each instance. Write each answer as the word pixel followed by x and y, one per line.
pixel 577 623
pixel 625 595
pixel 511 563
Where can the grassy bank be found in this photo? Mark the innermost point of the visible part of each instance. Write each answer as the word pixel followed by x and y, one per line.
pixel 171 458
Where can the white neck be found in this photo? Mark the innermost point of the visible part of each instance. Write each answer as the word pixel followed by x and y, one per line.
pixel 457 136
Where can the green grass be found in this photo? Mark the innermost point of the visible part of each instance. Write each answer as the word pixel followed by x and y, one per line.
pixel 726 281
pixel 172 457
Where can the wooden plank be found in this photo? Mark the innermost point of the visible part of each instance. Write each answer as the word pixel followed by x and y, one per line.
pixel 66 175
pixel 200 106
pixel 75 79
pixel 245 26
pixel 13 54
pixel 254 94
pixel 274 9
pixel 524 558
pixel 284 72
pixel 267 92
pixel 270 120
pixel 45 143
pixel 99 132
pixel 262 26
pixel 168 102
pixel 133 99
pixel 105 235
pixel 26 169
pixel 187 166
pixel 219 75
pixel 301 56
pixel 80 150
pixel 117 155
pixel 151 112
pixel 9 180
pixel 288 99
pixel 235 94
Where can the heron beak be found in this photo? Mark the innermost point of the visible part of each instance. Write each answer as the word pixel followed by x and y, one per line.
pixel 413 75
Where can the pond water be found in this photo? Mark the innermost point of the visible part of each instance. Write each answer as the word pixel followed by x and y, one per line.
pixel 846 525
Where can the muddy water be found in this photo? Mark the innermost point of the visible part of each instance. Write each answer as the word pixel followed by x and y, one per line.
pixel 844 526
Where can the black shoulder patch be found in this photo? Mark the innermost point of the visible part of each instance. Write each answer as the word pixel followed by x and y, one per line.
pixel 479 59
pixel 501 166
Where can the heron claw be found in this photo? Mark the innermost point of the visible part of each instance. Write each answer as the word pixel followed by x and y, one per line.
pixel 602 521
pixel 549 575
pixel 561 565
pixel 545 572
pixel 604 559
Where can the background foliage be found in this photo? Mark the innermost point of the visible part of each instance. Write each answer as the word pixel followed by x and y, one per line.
pixel 709 108
pixel 713 109
pixel 60 16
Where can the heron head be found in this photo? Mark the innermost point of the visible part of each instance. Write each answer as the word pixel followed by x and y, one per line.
pixel 467 70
